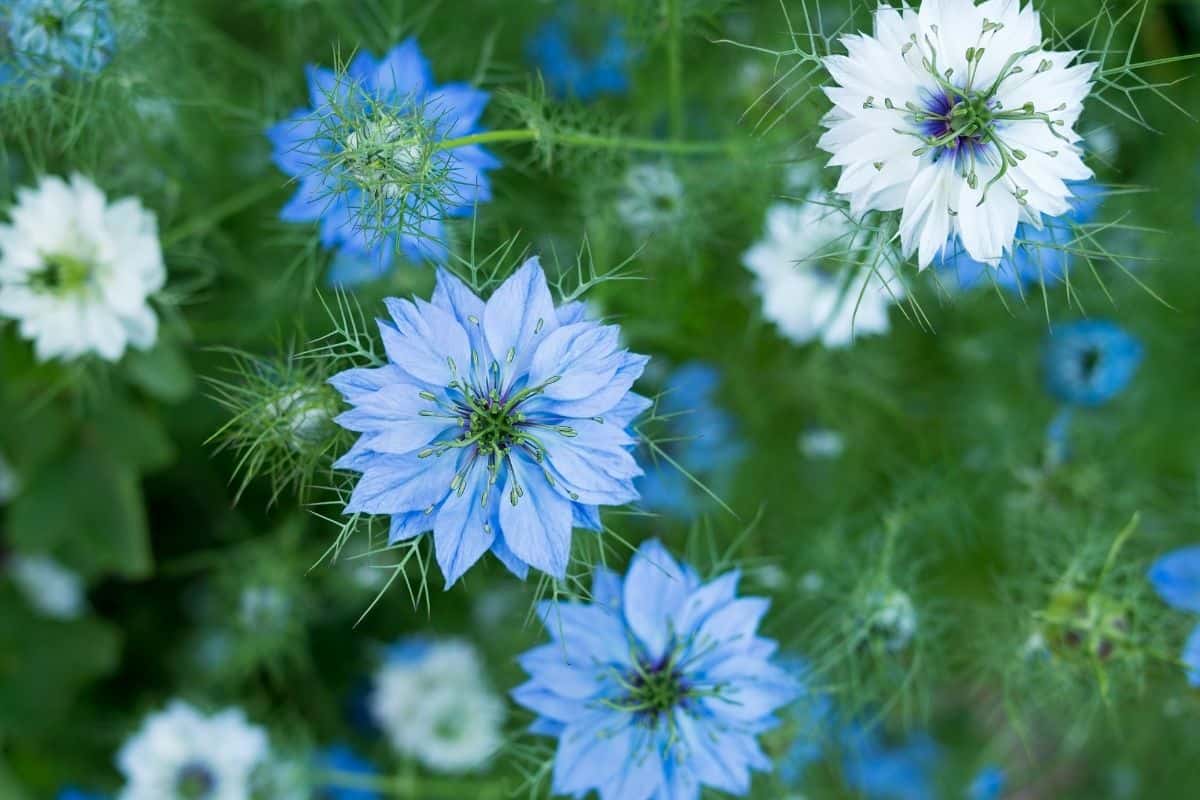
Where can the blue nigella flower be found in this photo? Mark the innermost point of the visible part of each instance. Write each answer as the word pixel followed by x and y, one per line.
pixel 1176 578
pixel 51 37
pixel 658 687
pixel 574 66
pixel 1090 362
pixel 383 118
pixel 701 439
pixel 71 793
pixel 988 784
pixel 1042 258
pixel 341 758
pixel 499 425
pixel 885 772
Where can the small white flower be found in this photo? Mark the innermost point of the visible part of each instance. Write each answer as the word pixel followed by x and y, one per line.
pixel 180 753
pixel 10 482
pixel 50 588
pixel 812 582
pixel 457 729
pixel 955 116
pixel 433 703
pixel 652 198
pixel 803 276
pixel 76 271
pixel 821 443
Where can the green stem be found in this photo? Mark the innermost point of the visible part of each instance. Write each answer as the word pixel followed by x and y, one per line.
pixel 674 13
pixel 227 208
pixel 577 139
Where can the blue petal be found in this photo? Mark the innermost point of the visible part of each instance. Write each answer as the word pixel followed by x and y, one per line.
pixel 570 676
pixel 294 146
pixel 655 589
pixel 537 526
pixel 310 202
pixel 606 588
pixel 586 517
pixel 403 73
pixel 463 530
pixel 427 342
pixel 396 484
pixel 507 557
pixel 357 383
pixel 581 358
pixel 603 401
pixel 518 316
pixel 403 527
pixel 602 750
pixel 392 420
pixel 1176 578
pixel 456 107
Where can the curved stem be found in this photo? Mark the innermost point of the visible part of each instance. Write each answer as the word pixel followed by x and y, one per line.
pixel 578 139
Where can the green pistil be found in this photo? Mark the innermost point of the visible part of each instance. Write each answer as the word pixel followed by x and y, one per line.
pixel 62 273
pixel 494 428
pixel 52 23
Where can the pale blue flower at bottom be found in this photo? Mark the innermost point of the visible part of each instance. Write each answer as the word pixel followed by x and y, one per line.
pixel 658 687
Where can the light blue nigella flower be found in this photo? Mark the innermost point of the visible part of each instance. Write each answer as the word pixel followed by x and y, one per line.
pixel 1176 578
pixel 52 37
pixel 572 64
pixel 701 438
pixel 71 793
pixel 1090 362
pixel 499 425
pixel 885 772
pixel 1042 255
pixel 383 119
pixel 658 687
pixel 342 759
pixel 988 784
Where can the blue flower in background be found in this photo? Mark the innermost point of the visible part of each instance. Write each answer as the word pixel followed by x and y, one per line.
pixel 52 37
pixel 499 425
pixel 1090 362
pixel 885 772
pixel 701 437
pixel 71 793
pixel 1176 578
pixel 658 687
pixel 383 118
pixel 808 720
pixel 580 57
pixel 988 784
pixel 1040 258
pixel 341 758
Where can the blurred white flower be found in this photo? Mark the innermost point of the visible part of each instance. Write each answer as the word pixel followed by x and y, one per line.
pixel 652 198
pixel 76 272
pixel 432 701
pixel 812 582
pixel 180 754
pixel 822 443
pixel 50 588
pixel 804 276
pixel 892 617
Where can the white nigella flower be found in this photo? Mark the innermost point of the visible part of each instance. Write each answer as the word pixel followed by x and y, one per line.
pixel 652 198
pixel 76 270
pixel 432 701
pixel 50 588
pixel 181 754
pixel 805 278
pixel 956 116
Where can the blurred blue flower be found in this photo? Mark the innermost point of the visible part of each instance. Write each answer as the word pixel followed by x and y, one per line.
pixel 701 437
pixel 1191 657
pixel 1090 362
pixel 1176 578
pixel 581 57
pixel 71 793
pixel 384 117
pixel 988 784
pixel 808 720
pixel 884 772
pixel 341 758
pixel 1041 258
pixel 52 37
pixel 499 425
pixel 658 687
